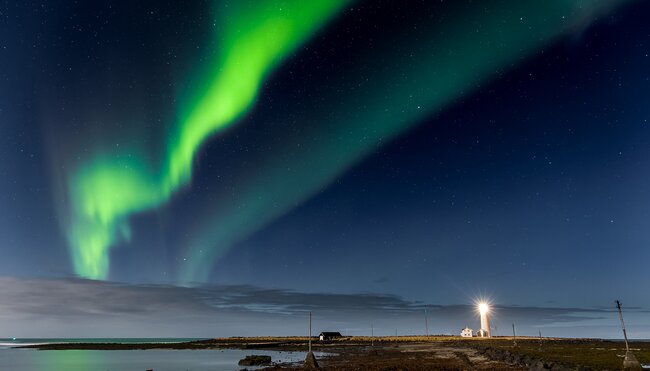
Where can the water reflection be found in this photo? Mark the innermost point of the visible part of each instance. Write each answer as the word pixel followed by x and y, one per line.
pixel 137 360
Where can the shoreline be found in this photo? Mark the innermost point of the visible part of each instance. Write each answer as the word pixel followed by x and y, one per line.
pixel 415 352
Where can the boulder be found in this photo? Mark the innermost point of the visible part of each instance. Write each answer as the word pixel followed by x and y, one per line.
pixel 630 362
pixel 255 360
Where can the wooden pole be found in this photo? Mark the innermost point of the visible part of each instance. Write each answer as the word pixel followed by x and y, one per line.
pixel 310 332
pixel 426 321
pixel 620 316
pixel 629 362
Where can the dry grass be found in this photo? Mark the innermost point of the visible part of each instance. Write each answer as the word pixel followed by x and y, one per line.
pixel 594 353
pixel 597 354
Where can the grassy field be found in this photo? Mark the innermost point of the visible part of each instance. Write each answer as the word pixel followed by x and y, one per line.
pixel 595 353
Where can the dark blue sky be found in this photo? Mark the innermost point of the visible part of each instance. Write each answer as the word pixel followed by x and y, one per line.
pixel 530 190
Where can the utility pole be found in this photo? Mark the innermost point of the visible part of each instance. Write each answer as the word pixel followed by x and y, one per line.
pixel 426 321
pixel 372 335
pixel 540 340
pixel 620 316
pixel 514 336
pixel 310 361
pixel 629 362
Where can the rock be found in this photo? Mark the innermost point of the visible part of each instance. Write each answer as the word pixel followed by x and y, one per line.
pixel 630 362
pixel 310 361
pixel 255 360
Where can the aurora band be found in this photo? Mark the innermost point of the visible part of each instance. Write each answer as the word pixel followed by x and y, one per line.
pixel 425 74
pixel 451 60
pixel 106 189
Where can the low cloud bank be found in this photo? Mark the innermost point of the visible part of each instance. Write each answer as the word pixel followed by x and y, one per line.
pixel 86 308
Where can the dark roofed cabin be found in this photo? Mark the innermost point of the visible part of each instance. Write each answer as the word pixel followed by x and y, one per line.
pixel 329 335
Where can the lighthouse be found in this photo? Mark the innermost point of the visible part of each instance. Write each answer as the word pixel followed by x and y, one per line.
pixel 484 309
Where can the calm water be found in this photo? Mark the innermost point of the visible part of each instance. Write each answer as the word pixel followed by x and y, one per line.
pixel 136 360
pixel 12 342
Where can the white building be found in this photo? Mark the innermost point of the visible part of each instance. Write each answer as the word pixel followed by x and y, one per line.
pixel 329 335
pixel 467 332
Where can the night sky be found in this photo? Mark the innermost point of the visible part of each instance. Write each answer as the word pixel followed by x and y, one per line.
pixel 217 168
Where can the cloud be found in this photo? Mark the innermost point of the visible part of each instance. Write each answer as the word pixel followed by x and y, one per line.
pixel 77 297
pixel 77 307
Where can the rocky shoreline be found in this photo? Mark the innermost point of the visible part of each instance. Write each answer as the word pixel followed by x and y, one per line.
pixel 417 352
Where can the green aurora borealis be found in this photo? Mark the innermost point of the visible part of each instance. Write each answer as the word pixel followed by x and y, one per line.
pixel 107 189
pixel 421 82
pixel 456 57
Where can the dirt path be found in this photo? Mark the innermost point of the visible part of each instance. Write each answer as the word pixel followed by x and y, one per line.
pixel 412 356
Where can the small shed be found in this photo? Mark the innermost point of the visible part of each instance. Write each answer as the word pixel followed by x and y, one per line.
pixel 467 332
pixel 329 335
